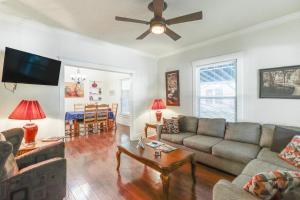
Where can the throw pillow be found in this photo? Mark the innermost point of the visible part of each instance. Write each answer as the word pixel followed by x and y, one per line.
pixel 282 136
pixel 267 184
pixel 291 153
pixel 170 126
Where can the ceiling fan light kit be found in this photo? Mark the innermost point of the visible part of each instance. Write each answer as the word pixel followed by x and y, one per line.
pixel 158 24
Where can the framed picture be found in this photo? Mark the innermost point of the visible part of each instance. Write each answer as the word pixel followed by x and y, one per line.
pixel 172 88
pixel 74 90
pixel 95 93
pixel 282 82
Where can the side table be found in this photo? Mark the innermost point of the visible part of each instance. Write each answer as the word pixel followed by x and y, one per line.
pixel 151 125
pixel 24 148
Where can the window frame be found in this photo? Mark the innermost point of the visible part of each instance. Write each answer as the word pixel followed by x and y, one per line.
pixel 216 97
pixel 239 116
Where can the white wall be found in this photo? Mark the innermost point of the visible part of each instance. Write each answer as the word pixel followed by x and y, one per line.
pixel 265 48
pixel 72 48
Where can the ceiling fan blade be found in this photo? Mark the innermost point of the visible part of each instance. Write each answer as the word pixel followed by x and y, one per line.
pixel 124 19
pixel 172 34
pixel 185 18
pixel 158 7
pixel 143 35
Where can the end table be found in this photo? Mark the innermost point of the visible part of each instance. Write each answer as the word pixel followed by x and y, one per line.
pixel 24 148
pixel 151 125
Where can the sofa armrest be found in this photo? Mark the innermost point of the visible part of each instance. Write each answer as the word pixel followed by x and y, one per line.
pixel 225 190
pixel 15 137
pixel 158 131
pixel 44 180
pixel 41 154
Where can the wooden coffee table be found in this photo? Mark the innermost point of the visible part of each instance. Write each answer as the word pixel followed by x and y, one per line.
pixel 165 164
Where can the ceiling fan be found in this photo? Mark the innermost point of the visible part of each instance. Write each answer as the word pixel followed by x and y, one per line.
pixel 158 24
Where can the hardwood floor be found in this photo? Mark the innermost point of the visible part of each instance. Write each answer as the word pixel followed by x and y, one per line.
pixel 92 175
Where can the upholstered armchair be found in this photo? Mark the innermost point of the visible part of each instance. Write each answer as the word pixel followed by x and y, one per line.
pixel 37 175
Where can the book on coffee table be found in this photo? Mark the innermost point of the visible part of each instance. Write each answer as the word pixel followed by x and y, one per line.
pixel 166 148
pixel 154 144
pixel 161 146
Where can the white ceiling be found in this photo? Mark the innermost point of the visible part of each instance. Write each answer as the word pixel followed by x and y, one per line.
pixel 95 18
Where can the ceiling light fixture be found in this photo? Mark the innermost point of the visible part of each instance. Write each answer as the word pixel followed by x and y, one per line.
pixel 158 29
pixel 78 77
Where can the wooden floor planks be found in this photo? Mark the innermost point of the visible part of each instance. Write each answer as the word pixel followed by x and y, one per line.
pixel 92 175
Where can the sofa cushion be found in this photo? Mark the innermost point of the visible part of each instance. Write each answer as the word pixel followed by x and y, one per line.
pixel 201 142
pixel 282 137
pixel 257 166
pixel 272 157
pixel 225 190
pixel 236 151
pixel 211 127
pixel 176 138
pixel 188 124
pixel 241 180
pixel 267 134
pixel 243 132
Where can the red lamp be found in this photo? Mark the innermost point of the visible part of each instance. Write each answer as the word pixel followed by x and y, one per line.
pixel 28 110
pixel 158 104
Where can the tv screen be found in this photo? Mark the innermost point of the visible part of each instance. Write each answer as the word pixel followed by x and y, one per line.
pixel 22 67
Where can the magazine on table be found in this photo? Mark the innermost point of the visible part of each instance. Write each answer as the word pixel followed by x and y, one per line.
pixel 161 146
pixel 166 148
pixel 154 144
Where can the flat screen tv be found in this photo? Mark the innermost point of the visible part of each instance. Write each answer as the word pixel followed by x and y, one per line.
pixel 23 67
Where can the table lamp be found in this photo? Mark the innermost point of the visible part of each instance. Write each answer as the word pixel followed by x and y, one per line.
pixel 28 110
pixel 158 105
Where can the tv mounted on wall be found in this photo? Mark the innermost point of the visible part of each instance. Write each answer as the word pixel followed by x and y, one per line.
pixel 23 67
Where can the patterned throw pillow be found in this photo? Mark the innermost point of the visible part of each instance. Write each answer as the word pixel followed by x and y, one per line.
pixel 291 153
pixel 265 185
pixel 170 126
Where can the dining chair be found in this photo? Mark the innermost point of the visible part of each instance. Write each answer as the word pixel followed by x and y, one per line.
pixel 68 128
pixel 114 109
pixel 102 116
pixel 90 117
pixel 78 107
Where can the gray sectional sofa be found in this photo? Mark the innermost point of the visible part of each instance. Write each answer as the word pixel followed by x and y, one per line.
pixel 240 148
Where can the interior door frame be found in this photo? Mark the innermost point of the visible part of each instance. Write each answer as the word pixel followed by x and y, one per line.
pixel 100 67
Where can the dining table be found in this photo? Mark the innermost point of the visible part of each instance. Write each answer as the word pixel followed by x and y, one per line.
pixel 75 116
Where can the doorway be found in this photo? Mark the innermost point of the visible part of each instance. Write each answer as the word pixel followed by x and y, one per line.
pixel 90 86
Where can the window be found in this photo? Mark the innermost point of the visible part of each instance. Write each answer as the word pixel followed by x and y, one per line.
pixel 125 96
pixel 216 90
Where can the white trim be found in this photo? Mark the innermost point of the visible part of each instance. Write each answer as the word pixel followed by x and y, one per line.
pixel 239 82
pixel 251 29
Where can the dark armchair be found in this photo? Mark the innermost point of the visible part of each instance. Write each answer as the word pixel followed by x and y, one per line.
pixel 37 175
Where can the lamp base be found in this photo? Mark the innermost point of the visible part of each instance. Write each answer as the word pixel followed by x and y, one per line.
pixel 158 115
pixel 30 131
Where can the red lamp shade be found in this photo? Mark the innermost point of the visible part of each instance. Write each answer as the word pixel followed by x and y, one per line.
pixel 28 110
pixel 158 104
